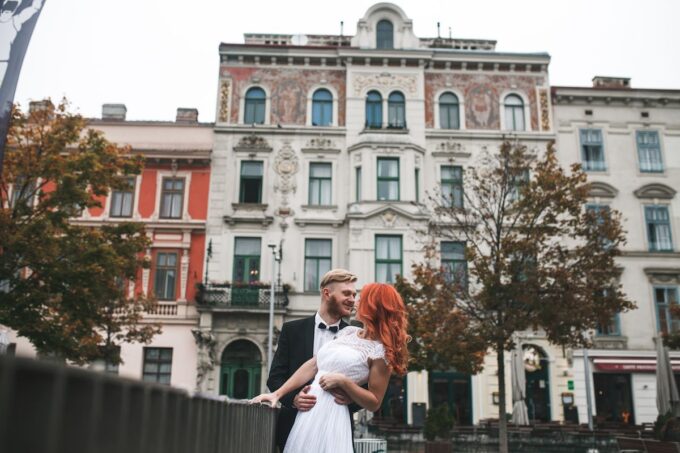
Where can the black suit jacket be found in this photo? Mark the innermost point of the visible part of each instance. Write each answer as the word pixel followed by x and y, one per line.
pixel 295 347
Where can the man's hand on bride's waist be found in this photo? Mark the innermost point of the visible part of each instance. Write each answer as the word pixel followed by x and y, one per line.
pixel 304 401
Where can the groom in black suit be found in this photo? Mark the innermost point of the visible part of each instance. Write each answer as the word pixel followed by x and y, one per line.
pixel 300 340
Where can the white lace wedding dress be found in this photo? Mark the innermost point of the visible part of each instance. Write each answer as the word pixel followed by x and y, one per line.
pixel 326 428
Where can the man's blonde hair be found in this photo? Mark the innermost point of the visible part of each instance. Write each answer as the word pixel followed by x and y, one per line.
pixel 337 275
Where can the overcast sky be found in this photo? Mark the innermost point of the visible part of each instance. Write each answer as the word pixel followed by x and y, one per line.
pixel 157 55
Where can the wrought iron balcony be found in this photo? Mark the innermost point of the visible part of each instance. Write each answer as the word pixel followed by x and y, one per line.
pixel 240 297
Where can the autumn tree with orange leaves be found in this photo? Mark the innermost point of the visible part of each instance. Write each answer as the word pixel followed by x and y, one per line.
pixel 537 260
pixel 64 284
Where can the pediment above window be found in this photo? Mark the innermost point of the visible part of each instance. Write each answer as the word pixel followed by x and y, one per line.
pixel 663 275
pixel 655 190
pixel 602 190
pixel 253 143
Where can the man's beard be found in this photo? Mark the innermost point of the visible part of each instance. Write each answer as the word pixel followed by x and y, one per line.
pixel 337 309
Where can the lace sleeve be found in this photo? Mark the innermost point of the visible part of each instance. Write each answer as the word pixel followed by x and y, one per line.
pixel 378 352
pixel 346 331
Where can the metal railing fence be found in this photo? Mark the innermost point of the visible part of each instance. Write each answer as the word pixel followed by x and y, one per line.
pixel 52 408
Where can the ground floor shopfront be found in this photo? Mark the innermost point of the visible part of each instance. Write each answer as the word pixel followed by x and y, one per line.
pixel 623 385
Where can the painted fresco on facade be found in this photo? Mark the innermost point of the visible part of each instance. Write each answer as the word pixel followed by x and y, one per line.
pixel 481 94
pixel 289 89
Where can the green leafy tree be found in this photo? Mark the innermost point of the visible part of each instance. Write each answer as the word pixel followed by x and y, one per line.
pixel 537 258
pixel 63 284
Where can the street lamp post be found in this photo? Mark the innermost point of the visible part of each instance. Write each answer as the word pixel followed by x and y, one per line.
pixel 586 373
pixel 272 295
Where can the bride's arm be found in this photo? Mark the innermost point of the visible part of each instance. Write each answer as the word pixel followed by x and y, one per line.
pixel 371 399
pixel 303 375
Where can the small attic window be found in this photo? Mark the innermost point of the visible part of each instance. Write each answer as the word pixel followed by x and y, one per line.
pixel 385 35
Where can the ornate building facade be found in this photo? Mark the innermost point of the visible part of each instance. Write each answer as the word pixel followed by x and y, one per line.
pixel 326 148
pixel 628 140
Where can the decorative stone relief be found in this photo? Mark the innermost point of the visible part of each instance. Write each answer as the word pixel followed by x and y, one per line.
pixel 184 273
pixel 253 141
pixel 450 147
pixel 207 358
pixel 357 158
pixel 320 143
pixel 145 274
pixel 388 218
pixel 545 110
pixel 225 98
pixel 286 165
pixel 406 83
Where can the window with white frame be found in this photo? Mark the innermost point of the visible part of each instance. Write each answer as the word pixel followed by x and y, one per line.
pixel 122 200
pixel 322 108
pixel 658 228
pixel 396 110
pixel 649 152
pixel 514 113
pixel 172 198
pixel 449 111
pixel 664 298
pixel 320 182
pixel 165 281
pixel 388 258
pixel 592 150
pixel 255 106
pixel 388 179
pixel 373 110
pixel 453 261
pixel 385 35
pixel 317 262
pixel 157 365
pixel 452 186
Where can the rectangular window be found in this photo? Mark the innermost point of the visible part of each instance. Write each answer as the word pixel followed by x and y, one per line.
pixel 592 150
pixel 157 365
pixel 609 329
pixel 388 179
pixel 649 152
pixel 417 176
pixel 602 212
pixel 123 199
pixel 320 178
pixel 246 259
pixel 387 258
pixel 172 198
pixel 251 182
pixel 22 192
pixel 518 182
pixel 452 186
pixel 658 229
pixel 358 184
pixel 664 297
pixel 454 264
pixel 317 262
pixel 166 276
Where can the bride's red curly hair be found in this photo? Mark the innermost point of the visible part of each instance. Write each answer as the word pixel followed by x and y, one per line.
pixel 383 314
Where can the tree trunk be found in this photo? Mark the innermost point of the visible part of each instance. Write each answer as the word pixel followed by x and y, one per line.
pixel 502 421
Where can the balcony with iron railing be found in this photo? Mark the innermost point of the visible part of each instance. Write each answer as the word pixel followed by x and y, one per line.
pixel 246 297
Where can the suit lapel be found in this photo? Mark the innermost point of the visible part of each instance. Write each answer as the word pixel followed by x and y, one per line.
pixel 309 338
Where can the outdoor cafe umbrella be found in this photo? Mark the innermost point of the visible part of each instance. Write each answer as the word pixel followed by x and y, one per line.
pixel 520 416
pixel 667 397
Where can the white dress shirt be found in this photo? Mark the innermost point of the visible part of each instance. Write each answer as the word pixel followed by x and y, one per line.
pixel 322 336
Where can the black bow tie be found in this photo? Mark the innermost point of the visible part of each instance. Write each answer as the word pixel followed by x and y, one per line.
pixel 323 326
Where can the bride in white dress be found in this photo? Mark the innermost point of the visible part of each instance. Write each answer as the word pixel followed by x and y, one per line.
pixel 355 357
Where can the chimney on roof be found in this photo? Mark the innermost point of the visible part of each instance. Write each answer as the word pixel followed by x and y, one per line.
pixel 185 115
pixel 611 82
pixel 36 106
pixel 114 112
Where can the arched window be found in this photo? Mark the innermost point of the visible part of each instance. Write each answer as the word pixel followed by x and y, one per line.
pixel 514 113
pixel 373 110
pixel 449 111
pixel 396 111
pixel 256 100
pixel 385 35
pixel 322 108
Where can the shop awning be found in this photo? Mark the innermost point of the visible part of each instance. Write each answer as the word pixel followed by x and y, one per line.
pixel 631 365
